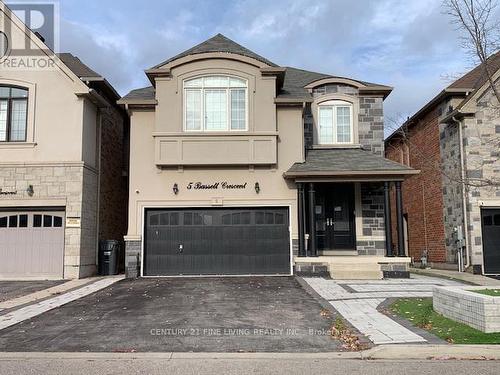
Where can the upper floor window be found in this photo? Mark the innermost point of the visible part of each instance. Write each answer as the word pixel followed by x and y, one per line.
pixel 215 103
pixel 335 122
pixel 13 113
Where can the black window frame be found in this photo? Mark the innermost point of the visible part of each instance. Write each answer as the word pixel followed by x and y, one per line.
pixel 10 99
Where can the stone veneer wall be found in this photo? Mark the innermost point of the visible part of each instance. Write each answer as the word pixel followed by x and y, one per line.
pixel 451 188
pixel 373 220
pixel 482 163
pixel 371 124
pixel 88 242
pixel 370 117
pixel 70 182
pixel 132 258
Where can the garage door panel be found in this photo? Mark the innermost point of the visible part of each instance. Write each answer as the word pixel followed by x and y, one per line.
pixel 30 249
pixel 217 241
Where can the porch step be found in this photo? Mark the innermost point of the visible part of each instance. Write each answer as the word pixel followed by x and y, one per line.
pixel 355 270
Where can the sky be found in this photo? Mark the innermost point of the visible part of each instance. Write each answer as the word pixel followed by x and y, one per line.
pixel 408 44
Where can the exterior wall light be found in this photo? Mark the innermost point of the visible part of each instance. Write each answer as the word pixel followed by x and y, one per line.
pixel 257 188
pixel 175 189
pixel 30 190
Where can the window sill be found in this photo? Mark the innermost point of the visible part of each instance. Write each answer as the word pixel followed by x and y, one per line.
pixel 340 145
pixel 208 134
pixel 4 145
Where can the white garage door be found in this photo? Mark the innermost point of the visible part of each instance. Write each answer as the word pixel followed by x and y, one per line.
pixel 31 244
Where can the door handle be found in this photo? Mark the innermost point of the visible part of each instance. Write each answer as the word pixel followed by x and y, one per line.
pixel 181 248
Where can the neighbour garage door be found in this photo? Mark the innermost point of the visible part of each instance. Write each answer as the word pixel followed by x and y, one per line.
pixel 236 241
pixel 491 240
pixel 31 244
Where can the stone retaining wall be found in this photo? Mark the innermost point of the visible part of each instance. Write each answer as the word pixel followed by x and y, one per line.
pixel 460 304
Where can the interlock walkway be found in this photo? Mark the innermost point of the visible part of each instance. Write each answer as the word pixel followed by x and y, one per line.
pixel 357 301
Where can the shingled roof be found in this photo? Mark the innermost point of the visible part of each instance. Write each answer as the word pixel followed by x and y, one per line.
pixel 77 66
pixel 218 43
pixel 294 81
pixel 476 78
pixel 346 161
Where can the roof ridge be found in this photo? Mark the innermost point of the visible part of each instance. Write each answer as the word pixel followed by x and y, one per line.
pixel 217 43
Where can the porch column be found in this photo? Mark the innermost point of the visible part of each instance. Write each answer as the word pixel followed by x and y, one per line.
pixel 399 214
pixel 387 217
pixel 312 221
pixel 301 221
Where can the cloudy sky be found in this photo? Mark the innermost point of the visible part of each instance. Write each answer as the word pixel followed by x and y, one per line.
pixel 407 44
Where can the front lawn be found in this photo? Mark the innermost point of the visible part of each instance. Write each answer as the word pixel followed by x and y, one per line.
pixel 420 313
pixel 487 292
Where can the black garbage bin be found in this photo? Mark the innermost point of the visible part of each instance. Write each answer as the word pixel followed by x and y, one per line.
pixel 108 257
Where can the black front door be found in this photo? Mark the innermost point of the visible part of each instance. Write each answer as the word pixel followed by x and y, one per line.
pixel 217 241
pixel 335 217
pixel 491 240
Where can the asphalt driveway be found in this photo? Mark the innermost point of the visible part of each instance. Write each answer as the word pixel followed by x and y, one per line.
pixel 255 314
pixel 14 289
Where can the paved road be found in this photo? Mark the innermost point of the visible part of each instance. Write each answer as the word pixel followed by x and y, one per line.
pixel 247 366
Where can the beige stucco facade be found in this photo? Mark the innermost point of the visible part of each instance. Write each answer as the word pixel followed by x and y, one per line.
pixel 209 157
pixel 173 167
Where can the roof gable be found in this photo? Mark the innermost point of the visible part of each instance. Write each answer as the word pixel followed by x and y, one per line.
pixel 475 78
pixel 218 43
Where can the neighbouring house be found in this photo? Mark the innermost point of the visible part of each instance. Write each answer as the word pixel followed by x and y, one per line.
pixel 63 154
pixel 239 166
pixel 453 206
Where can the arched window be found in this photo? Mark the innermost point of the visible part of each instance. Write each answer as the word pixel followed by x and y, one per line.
pixel 335 122
pixel 13 113
pixel 215 103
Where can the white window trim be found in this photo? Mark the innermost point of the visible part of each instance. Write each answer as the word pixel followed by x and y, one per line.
pixel 202 104
pixel 334 104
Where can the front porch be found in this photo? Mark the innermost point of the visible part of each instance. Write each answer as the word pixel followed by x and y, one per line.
pixel 344 215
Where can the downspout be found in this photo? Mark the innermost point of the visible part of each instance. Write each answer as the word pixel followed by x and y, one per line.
pixel 464 197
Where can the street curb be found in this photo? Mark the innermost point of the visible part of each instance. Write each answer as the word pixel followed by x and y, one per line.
pixel 6 356
pixel 382 352
pixel 435 352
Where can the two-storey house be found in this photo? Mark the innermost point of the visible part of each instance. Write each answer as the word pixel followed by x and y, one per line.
pixel 241 166
pixel 452 207
pixel 62 158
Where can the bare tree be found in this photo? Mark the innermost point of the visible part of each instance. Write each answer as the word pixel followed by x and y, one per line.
pixel 480 26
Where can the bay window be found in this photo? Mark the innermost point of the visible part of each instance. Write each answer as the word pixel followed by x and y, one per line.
pixel 13 113
pixel 335 122
pixel 215 103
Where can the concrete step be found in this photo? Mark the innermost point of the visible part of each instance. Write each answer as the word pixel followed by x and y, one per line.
pixel 355 271
pixel 356 275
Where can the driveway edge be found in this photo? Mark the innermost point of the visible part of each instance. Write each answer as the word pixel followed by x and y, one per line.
pixel 382 352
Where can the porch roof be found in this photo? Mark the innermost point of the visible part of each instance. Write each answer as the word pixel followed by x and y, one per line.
pixel 353 164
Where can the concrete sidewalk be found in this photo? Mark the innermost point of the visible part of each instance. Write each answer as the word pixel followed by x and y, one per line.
pixel 460 276
pixel 382 352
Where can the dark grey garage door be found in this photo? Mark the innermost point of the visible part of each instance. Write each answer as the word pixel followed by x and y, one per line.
pixel 491 240
pixel 217 241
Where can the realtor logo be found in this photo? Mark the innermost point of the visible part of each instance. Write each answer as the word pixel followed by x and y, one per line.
pixel 18 49
pixel 4 45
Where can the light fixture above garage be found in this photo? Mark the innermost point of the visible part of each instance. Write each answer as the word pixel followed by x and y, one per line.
pixel 175 189
pixel 30 190
pixel 257 188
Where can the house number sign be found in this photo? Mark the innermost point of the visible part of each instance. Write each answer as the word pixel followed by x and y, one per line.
pixel 2 192
pixel 216 186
